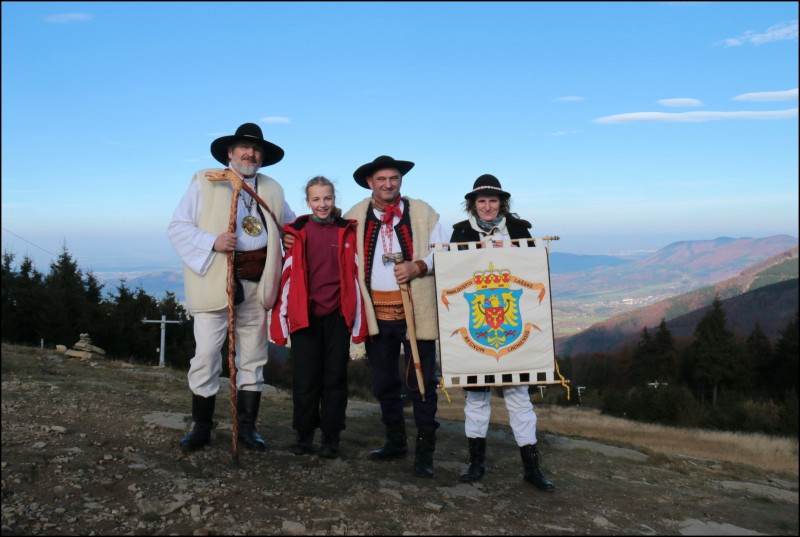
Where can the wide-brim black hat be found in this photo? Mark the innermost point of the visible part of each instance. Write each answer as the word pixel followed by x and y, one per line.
pixel 249 132
pixel 380 163
pixel 487 185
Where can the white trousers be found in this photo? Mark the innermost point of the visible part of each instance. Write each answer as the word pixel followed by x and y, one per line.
pixel 521 417
pixel 210 329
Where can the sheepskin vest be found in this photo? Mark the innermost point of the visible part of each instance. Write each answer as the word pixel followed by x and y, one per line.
pixel 210 291
pixel 422 218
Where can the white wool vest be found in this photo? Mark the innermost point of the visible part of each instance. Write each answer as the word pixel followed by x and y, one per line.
pixel 209 292
pixel 423 290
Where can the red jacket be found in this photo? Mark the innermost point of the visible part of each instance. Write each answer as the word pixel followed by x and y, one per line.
pixel 290 312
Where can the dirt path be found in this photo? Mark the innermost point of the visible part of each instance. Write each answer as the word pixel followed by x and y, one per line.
pixel 90 448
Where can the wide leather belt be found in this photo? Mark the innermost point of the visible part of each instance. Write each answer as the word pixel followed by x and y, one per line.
pixel 388 305
pixel 250 265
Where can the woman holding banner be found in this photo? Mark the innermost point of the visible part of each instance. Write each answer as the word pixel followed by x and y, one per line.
pixel 490 220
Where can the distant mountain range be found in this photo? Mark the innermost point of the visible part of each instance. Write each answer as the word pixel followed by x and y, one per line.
pixel 570 263
pixel 766 292
pixel 157 283
pixel 677 268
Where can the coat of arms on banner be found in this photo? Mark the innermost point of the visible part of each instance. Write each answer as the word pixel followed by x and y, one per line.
pixel 495 326
pixel 495 321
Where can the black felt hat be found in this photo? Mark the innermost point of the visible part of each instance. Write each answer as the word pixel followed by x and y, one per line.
pixel 380 163
pixel 249 132
pixel 487 185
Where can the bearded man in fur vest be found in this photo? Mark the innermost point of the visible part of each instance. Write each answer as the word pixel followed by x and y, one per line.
pixel 199 233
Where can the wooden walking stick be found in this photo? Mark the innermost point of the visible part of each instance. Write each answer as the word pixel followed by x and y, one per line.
pixel 408 309
pixel 237 183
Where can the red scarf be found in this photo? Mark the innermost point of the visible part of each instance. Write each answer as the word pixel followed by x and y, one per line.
pixel 389 210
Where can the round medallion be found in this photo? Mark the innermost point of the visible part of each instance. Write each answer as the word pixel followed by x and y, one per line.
pixel 252 225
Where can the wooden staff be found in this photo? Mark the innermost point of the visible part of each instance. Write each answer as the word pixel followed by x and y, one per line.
pixel 408 309
pixel 237 183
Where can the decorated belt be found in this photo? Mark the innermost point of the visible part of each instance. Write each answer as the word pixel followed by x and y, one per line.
pixel 387 298
pixel 388 305
pixel 250 265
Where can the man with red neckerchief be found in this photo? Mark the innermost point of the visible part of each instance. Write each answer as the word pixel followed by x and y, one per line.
pixel 389 223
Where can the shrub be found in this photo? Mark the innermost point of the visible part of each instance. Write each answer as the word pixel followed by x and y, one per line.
pixel 557 395
pixel 614 403
pixel 278 371
pixel 729 414
pixel 589 398
pixel 359 379
pixel 765 416
pixel 675 405
pixel 667 405
pixel 789 415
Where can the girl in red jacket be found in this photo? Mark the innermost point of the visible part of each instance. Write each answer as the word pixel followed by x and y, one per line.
pixel 320 307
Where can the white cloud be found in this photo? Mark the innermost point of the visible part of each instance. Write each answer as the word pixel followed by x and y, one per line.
pixel 562 133
pixel 680 103
pixel 569 99
pixel 66 18
pixel 783 31
pixel 788 95
pixel 693 117
pixel 275 119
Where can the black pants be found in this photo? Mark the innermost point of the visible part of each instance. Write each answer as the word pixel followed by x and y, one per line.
pixel 383 353
pixel 320 356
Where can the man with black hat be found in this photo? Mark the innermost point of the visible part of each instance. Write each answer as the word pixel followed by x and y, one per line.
pixel 389 224
pixel 199 233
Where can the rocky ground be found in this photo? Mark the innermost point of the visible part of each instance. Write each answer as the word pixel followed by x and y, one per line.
pixel 90 448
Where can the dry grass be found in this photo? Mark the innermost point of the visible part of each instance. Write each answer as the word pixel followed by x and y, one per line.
pixel 771 454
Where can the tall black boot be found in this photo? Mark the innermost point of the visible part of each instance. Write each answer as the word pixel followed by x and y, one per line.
pixel 247 408
pixel 477 458
pixel 533 473
pixel 303 443
pixel 329 447
pixel 202 415
pixel 423 453
pixel 396 444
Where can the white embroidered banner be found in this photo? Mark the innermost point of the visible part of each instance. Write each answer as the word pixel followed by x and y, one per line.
pixel 495 316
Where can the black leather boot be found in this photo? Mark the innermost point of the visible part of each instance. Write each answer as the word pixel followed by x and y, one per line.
pixel 303 443
pixel 329 448
pixel 396 444
pixel 247 408
pixel 423 452
pixel 477 458
pixel 533 473
pixel 202 415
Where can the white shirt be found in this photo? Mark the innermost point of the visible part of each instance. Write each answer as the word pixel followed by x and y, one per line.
pixel 383 278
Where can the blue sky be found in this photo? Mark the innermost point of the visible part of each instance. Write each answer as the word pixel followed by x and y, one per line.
pixel 617 126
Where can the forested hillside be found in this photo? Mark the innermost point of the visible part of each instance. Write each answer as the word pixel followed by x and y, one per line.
pixel 773 307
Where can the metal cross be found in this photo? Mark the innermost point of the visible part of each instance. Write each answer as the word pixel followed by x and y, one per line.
pixel 163 322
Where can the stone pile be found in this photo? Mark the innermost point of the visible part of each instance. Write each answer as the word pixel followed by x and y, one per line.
pixel 83 350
